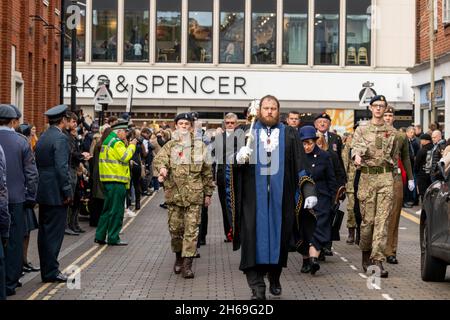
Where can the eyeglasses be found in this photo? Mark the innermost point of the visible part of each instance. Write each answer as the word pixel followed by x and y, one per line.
pixel 230 122
pixel 379 106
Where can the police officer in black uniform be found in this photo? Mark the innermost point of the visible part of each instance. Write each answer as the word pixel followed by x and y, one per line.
pixel 21 179
pixel 54 192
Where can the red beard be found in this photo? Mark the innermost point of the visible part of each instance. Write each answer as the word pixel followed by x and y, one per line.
pixel 269 121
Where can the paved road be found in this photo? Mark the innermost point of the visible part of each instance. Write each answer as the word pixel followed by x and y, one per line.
pixel 143 269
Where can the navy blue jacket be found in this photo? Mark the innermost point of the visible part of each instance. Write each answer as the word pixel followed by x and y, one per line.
pixel 320 166
pixel 22 175
pixel 5 218
pixel 52 158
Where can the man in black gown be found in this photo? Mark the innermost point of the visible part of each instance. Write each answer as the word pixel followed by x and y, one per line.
pixel 265 180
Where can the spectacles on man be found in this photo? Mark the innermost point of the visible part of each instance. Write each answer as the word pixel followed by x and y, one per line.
pixel 379 106
pixel 230 122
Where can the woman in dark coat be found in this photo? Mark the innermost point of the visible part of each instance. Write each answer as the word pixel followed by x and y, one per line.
pixel 420 165
pixel 319 165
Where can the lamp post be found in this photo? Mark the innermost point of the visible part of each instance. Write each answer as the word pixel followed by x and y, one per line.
pixel 73 72
pixel 61 54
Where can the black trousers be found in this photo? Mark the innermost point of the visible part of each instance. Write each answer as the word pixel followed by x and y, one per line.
pixel 2 274
pixel 226 215
pixel 14 250
pixel 255 275
pixel 203 230
pixel 52 222
pixel 136 181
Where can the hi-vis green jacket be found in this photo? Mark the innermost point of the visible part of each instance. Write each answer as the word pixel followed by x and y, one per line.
pixel 114 160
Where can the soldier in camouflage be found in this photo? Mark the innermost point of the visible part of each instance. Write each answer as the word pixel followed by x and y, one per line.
pixel 374 150
pixel 188 185
pixel 350 170
pixel 401 157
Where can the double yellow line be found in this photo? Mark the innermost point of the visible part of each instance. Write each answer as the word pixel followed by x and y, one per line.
pixel 44 287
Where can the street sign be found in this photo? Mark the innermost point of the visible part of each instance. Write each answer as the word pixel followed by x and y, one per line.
pixel 365 95
pixel 103 96
pixel 130 100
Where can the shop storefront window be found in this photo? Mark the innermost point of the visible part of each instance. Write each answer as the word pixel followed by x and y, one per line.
pixel 358 33
pixel 295 32
pixel 326 32
pixel 232 31
pixel 136 39
pixel 168 30
pixel 104 30
pixel 81 34
pixel 200 38
pixel 264 31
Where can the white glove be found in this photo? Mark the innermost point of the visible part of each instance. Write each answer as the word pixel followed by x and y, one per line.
pixel 411 185
pixel 243 155
pixel 310 202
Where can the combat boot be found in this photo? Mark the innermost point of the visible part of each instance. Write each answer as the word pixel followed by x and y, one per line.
pixel 351 236
pixel 383 273
pixel 178 263
pixel 187 268
pixel 259 294
pixel 365 260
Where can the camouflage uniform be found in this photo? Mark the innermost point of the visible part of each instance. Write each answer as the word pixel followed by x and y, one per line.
pixel 188 181
pixel 375 144
pixel 350 170
pixel 401 153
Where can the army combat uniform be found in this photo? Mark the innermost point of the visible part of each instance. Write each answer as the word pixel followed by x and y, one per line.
pixel 375 144
pixel 350 170
pixel 189 181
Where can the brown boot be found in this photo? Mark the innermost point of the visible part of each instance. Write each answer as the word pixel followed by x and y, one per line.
pixel 351 236
pixel 365 260
pixel 383 273
pixel 187 268
pixel 178 263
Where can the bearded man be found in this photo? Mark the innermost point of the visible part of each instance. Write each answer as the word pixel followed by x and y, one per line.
pixel 266 178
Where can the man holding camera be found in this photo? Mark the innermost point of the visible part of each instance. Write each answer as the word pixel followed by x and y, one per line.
pixel 115 175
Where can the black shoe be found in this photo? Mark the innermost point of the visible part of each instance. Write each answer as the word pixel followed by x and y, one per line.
pixel 120 243
pixel 70 232
pixel 101 242
pixel 163 205
pixel 227 240
pixel 258 294
pixel 10 292
pixel 28 267
pixel 197 255
pixel 202 242
pixel 275 286
pixel 315 266
pixel 306 267
pixel 59 278
pixel 327 252
pixel 392 260
pixel 407 205
pixel 79 230
pixel 19 284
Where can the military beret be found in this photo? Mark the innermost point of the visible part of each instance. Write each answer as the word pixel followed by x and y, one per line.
pixel 183 116
pixel 58 111
pixel 378 98
pixel 121 124
pixel 323 116
pixel 308 132
pixel 7 112
pixel 425 136
pixel 19 114
pixel 390 109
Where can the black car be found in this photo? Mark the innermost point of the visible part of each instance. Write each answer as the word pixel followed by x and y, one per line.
pixel 435 230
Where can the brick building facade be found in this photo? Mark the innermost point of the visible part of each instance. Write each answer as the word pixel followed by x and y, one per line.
pixel 29 57
pixel 421 71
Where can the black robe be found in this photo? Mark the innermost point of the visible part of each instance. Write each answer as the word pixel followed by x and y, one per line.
pixel 244 200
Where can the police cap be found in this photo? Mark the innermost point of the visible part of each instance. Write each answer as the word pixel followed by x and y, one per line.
pixel 7 112
pixel 19 114
pixel 121 124
pixel 323 116
pixel 378 98
pixel 56 112
pixel 183 116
